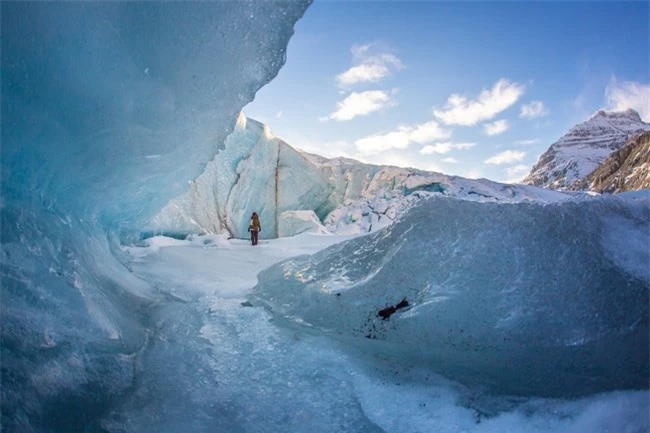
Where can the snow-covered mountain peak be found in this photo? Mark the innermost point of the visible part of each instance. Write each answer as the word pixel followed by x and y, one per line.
pixel 584 148
pixel 628 120
pixel 629 114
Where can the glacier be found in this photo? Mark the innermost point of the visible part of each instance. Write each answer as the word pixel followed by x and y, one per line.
pixel 118 121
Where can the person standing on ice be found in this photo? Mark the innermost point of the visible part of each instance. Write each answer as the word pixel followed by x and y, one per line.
pixel 254 228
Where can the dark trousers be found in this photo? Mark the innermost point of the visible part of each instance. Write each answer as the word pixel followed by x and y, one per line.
pixel 254 237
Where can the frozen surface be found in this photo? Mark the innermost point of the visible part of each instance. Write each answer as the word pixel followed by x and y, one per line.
pixel 213 363
pixel 527 299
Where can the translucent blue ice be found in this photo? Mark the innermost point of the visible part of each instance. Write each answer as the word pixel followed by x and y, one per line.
pixel 108 110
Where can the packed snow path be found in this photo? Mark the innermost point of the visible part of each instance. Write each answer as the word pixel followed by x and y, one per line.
pixel 212 363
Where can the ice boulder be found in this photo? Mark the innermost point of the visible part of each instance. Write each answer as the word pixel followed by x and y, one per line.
pixel 525 298
pixel 292 223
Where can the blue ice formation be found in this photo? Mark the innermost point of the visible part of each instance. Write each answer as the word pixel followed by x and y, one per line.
pixel 108 110
pixel 255 172
pixel 525 298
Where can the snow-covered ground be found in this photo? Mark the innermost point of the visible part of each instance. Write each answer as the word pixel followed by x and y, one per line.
pixel 216 363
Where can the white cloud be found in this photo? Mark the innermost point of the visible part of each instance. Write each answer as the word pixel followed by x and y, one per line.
pixel 629 94
pixel 382 142
pixel 329 149
pixel 507 157
pixel 426 132
pixel 463 146
pixel 528 142
pixel 496 127
pixel 516 173
pixel 398 159
pixel 533 110
pixel 451 160
pixel 474 174
pixel 442 148
pixel 359 104
pixel 518 170
pixel 362 73
pixel 401 138
pixel 278 114
pixel 369 67
pixel 467 112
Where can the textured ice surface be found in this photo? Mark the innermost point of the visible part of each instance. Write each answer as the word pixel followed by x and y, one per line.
pixel 527 299
pixel 295 222
pixel 108 110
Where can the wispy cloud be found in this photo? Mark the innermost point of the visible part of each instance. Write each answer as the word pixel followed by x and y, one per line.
pixel 460 110
pixel 496 128
pixel 474 174
pixel 533 110
pixel 519 170
pixel 400 159
pixel 527 142
pixel 629 94
pixel 401 138
pixel 516 173
pixel 451 160
pixel 446 147
pixel 359 104
pixel 429 131
pixel 507 157
pixel 362 73
pixel 464 146
pixel 369 66
pixel 440 148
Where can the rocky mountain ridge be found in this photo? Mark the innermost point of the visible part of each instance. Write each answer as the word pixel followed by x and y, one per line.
pixel 626 169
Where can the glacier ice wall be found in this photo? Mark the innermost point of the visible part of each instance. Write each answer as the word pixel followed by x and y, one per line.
pixel 524 298
pixel 258 172
pixel 108 110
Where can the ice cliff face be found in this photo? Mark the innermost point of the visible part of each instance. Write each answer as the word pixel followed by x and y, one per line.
pixel 258 172
pixel 584 148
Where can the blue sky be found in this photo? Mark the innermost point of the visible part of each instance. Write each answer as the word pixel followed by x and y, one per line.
pixel 476 89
